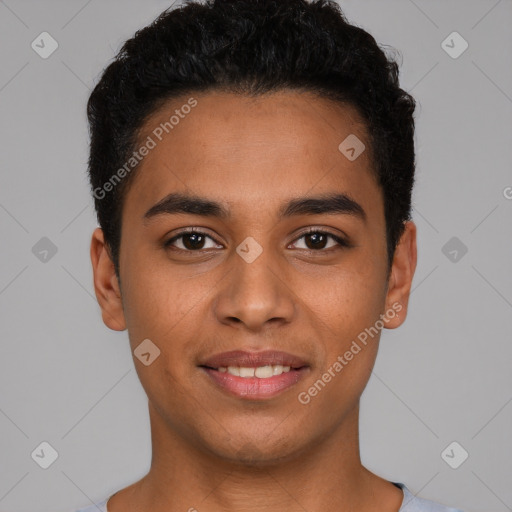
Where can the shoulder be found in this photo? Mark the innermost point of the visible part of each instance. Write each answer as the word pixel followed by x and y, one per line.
pixel 412 503
pixel 100 506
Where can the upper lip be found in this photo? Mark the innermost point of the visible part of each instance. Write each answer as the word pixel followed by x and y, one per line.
pixel 253 359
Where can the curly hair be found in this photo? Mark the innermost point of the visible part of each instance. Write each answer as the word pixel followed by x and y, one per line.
pixel 251 47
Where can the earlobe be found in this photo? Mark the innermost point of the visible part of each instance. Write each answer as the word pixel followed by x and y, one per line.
pixel 401 276
pixel 106 284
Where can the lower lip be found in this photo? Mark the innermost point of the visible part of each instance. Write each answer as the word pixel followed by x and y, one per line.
pixel 253 388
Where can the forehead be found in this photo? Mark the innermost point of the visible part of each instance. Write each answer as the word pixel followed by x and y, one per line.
pixel 251 150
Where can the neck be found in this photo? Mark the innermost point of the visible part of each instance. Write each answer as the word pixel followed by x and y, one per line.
pixel 326 475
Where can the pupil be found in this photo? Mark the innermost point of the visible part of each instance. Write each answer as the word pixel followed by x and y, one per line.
pixel 317 237
pixel 195 244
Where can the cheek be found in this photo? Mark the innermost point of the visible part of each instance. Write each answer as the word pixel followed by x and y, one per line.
pixel 345 308
pixel 153 299
pixel 346 300
pixel 169 309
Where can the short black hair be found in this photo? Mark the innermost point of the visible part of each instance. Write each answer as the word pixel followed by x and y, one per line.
pixel 250 47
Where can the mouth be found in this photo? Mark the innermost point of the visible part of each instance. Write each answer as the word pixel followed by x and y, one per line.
pixel 254 375
pixel 260 372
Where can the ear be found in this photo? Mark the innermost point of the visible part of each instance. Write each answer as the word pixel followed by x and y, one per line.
pixel 106 285
pixel 401 275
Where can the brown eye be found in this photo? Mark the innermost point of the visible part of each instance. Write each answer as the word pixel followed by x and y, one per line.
pixel 190 241
pixel 316 240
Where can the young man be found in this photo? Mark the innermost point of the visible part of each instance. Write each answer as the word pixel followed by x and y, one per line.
pixel 252 163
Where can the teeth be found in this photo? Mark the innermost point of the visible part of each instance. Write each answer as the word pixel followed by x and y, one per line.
pixel 261 372
pixel 245 372
pixel 264 372
pixel 234 370
pixel 278 369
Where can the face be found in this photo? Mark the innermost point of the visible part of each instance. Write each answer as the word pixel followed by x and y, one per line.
pixel 291 258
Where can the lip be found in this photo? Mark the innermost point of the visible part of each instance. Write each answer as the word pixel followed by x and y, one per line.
pixel 254 388
pixel 253 359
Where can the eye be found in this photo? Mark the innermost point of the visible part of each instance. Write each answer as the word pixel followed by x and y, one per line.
pixel 191 240
pixel 316 240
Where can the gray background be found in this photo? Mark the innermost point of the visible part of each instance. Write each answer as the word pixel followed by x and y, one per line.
pixel 444 376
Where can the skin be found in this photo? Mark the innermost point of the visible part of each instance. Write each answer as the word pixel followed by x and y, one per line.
pixel 216 452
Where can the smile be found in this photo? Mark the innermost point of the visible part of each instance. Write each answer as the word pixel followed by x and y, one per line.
pixel 249 383
pixel 261 372
pixel 254 375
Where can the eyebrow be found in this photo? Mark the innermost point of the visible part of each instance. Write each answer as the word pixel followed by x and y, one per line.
pixel 331 204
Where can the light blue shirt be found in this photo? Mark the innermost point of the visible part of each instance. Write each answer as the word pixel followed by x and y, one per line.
pixel 410 503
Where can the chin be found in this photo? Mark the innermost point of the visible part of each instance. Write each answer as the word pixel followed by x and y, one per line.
pixel 257 452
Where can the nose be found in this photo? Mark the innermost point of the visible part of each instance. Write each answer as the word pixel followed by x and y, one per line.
pixel 254 294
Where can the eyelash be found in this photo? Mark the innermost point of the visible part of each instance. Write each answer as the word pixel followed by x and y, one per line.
pixel 342 243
